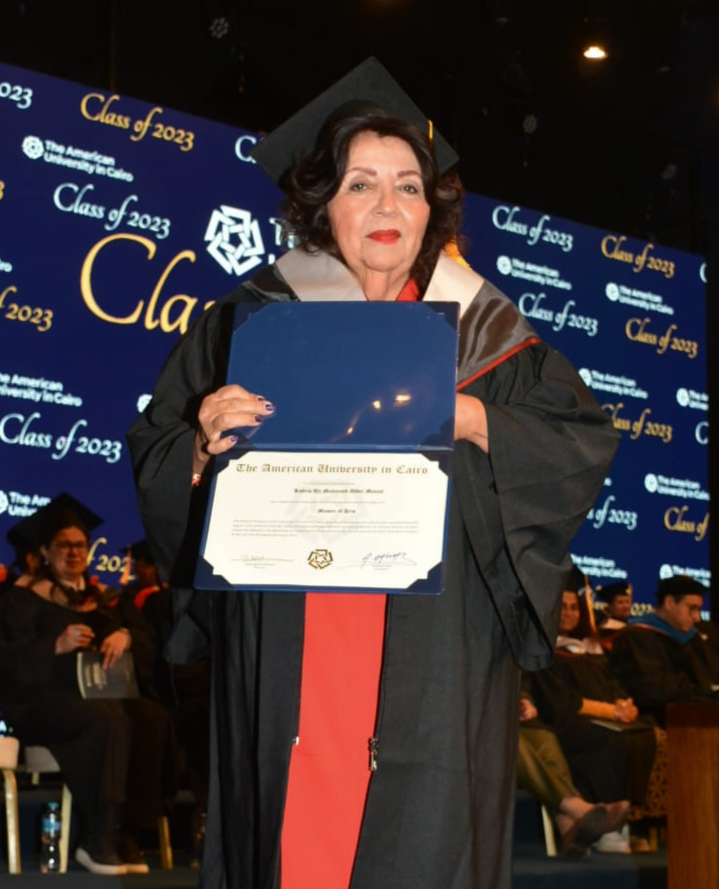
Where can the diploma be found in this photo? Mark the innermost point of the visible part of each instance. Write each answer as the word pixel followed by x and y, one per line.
pixel 336 521
pixel 345 487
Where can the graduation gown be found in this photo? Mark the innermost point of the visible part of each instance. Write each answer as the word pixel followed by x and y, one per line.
pixel 657 669
pixel 606 765
pixel 439 809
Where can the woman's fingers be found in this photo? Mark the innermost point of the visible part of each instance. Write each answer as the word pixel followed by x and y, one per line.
pixel 230 407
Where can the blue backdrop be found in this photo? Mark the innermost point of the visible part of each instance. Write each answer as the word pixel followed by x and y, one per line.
pixel 120 222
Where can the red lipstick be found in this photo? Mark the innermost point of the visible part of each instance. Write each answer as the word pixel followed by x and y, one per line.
pixel 385 236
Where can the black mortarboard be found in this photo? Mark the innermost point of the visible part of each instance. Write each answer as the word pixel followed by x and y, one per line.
pixel 139 550
pixel 61 512
pixel 369 82
pixel 576 582
pixel 609 593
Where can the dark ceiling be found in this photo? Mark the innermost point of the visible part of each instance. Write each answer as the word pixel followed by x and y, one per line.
pixel 624 144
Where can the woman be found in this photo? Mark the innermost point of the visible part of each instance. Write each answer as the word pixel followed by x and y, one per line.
pixel 431 680
pixel 104 747
pixel 542 769
pixel 610 747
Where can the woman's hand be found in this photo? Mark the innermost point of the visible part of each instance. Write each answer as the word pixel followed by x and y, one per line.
pixel 470 421
pixel 228 408
pixel 527 710
pixel 625 711
pixel 114 646
pixel 74 636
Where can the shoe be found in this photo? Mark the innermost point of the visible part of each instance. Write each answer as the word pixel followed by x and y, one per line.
pixel 131 854
pixel 584 832
pixel 616 841
pixel 106 863
pixel 617 814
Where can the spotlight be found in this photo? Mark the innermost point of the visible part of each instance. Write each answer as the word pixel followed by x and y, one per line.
pixel 595 52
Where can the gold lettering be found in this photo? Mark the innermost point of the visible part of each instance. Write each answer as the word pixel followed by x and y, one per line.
pixel 619 422
pixel 611 245
pixel 674 520
pixel 639 335
pixel 702 528
pixel 638 425
pixel 165 321
pixel 641 258
pixel 664 341
pixel 86 278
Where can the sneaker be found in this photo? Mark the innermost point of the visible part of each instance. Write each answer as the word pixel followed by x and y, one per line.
pixel 106 863
pixel 614 841
pixel 132 854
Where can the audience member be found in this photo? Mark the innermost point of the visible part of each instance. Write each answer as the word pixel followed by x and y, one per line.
pixel 116 756
pixel 618 600
pixel 610 747
pixel 543 771
pixel 183 688
pixel 661 658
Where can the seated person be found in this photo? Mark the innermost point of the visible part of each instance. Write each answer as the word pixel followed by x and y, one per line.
pixel 117 756
pixel 618 599
pixel 542 770
pixel 661 658
pixel 609 746
pixel 147 580
pixel 27 559
pixel 183 688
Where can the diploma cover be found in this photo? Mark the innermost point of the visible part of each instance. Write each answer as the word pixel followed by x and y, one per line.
pixel 345 487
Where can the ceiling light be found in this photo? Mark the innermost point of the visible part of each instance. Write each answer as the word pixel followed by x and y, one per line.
pixel 595 52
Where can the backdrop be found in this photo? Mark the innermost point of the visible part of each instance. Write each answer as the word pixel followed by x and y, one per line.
pixel 121 222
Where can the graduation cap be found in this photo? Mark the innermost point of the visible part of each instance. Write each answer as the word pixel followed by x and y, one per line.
pixel 576 582
pixel 139 550
pixel 609 593
pixel 369 84
pixel 63 511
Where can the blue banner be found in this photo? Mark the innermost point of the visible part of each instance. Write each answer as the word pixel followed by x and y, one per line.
pixel 121 222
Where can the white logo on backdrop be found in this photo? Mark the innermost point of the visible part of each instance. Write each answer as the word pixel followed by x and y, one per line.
pixel 235 240
pixel 616 383
pixel 4 502
pixel 686 488
pixel 32 147
pixel 143 401
pixel 698 401
pixel 641 299
pixel 504 264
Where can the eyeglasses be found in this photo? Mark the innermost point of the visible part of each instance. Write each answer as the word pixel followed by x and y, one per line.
pixel 66 545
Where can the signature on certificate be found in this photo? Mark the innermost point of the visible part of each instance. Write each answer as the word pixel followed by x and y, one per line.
pixel 383 560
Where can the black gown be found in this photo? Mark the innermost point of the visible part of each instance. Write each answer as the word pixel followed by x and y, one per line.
pixel 658 670
pixel 439 810
pixel 606 765
pixel 97 743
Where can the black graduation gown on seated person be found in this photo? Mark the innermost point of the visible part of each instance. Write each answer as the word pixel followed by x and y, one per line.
pixel 606 765
pixel 440 805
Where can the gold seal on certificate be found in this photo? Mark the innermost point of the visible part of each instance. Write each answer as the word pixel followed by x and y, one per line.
pixel 333 520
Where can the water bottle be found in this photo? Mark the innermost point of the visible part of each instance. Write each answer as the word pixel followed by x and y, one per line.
pixel 50 839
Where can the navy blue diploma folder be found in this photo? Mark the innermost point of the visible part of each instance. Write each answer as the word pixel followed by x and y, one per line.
pixel 345 487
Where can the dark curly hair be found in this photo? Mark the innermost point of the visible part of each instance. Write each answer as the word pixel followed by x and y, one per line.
pixel 315 179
